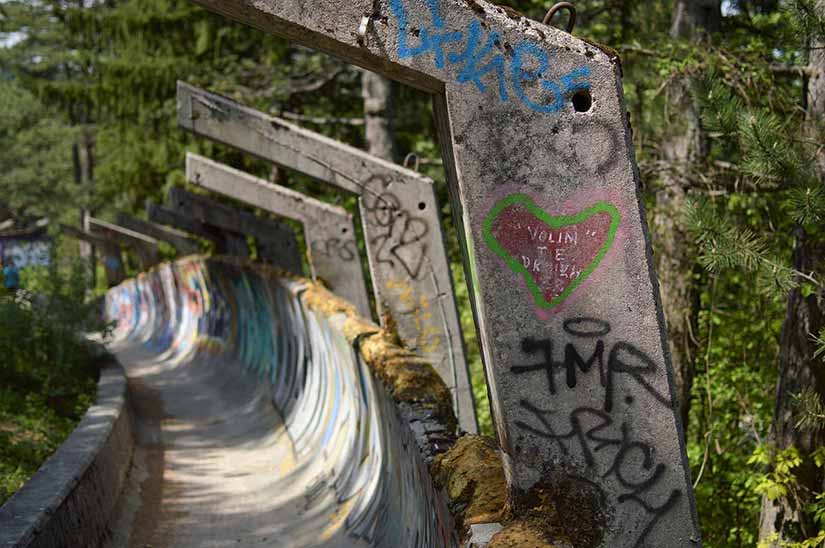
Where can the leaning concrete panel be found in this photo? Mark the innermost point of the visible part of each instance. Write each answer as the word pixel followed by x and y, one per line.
pixel 226 243
pixel 182 243
pixel 540 163
pixel 328 230
pixel 145 247
pixel 276 241
pixel 400 213
pixel 111 254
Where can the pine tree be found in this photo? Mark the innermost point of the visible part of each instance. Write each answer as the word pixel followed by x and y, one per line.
pixel 776 153
pixel 801 374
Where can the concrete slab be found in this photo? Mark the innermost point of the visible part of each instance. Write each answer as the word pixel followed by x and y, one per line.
pixel 144 246
pixel 481 534
pixel 328 230
pixel 276 241
pixel 110 253
pixel 183 244
pixel 226 243
pixel 400 215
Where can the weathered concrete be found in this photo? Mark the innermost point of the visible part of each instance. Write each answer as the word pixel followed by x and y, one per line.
pixel 400 215
pixel 328 230
pixel 540 164
pixel 481 534
pixel 270 414
pixel 69 500
pixel 183 244
pixel 226 243
pixel 111 254
pixel 276 242
pixel 145 247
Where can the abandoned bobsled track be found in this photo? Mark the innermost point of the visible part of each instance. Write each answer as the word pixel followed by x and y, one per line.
pixel 269 414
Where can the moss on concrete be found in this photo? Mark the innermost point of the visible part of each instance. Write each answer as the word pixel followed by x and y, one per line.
pixel 472 475
pixel 409 377
pixel 521 535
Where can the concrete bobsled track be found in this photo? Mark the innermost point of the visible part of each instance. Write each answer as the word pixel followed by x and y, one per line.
pixel 269 414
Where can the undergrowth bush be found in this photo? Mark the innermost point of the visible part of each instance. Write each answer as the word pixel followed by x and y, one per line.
pixel 46 378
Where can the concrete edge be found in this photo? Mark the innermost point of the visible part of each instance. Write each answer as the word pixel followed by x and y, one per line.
pixel 70 499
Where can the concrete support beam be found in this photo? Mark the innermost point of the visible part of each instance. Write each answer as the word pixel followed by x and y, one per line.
pixel 180 240
pixel 328 230
pixel 538 156
pixel 110 252
pixel 276 241
pixel 400 215
pixel 226 243
pixel 145 247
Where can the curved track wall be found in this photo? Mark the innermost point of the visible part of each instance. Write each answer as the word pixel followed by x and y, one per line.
pixel 360 447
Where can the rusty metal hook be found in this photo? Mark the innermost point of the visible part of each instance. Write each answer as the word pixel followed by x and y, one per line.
pixel 408 161
pixel 571 9
pixel 361 35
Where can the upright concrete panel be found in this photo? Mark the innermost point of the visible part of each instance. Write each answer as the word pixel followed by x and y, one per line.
pixel 328 230
pixel 400 214
pixel 276 241
pixel 183 244
pixel 110 252
pixel 226 243
pixel 540 163
pixel 145 247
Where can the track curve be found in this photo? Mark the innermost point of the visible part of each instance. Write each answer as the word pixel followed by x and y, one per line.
pixel 258 423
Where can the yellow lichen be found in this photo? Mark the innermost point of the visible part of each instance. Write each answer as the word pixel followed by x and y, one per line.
pixel 520 535
pixel 471 473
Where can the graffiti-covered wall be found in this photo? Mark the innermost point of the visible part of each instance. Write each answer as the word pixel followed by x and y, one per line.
pixel 24 250
pixel 360 472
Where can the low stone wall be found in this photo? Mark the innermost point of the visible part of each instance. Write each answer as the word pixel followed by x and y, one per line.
pixel 69 501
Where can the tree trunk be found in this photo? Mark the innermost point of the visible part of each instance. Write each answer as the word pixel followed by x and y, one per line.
pixel 83 160
pixel 786 519
pixel 692 16
pixel 675 258
pixel 379 112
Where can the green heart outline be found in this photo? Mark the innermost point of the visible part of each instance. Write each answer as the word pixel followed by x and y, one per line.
pixel 554 222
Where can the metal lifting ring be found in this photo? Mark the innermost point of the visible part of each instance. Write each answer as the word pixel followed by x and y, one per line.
pixel 408 161
pixel 361 35
pixel 571 9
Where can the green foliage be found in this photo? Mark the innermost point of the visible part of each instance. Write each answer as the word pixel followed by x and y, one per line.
pixel 36 166
pixel 739 327
pixel 725 245
pixel 781 479
pixel 46 382
pixel 810 21
pixel 473 352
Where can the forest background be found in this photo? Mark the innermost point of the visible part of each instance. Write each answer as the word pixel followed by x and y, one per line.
pixel 727 105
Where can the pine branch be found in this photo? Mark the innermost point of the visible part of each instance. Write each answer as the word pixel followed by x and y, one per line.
pixel 810 406
pixel 725 246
